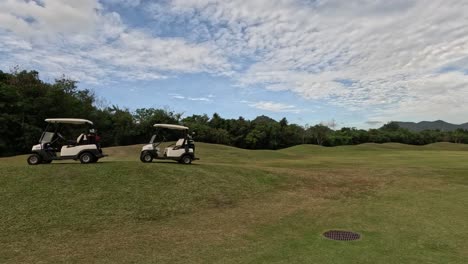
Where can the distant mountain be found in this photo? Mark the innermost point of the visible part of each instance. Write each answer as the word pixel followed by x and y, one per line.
pixel 263 119
pixel 431 125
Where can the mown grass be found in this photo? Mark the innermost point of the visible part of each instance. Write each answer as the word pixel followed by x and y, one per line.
pixel 240 206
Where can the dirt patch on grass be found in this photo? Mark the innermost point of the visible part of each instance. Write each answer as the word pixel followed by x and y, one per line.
pixel 336 183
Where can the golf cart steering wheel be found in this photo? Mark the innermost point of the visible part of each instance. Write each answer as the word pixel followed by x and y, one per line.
pixel 157 144
pixel 160 142
pixel 60 136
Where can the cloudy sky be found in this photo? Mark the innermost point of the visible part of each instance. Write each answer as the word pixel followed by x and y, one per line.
pixel 359 62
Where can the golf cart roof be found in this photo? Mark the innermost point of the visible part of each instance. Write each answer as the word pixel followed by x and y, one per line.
pixel 169 126
pixel 75 121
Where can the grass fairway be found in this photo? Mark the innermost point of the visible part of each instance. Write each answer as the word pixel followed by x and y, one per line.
pixel 410 204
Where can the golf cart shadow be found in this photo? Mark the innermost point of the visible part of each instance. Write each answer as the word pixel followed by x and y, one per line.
pixel 71 162
pixel 172 162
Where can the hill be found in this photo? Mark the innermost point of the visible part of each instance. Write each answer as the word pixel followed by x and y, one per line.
pixel 432 125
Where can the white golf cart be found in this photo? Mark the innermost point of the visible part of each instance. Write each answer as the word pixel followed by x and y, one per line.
pixel 53 146
pixel 182 151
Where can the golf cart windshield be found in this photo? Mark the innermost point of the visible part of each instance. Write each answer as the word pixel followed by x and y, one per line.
pixel 153 138
pixel 47 137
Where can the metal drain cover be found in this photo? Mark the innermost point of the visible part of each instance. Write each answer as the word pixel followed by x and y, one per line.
pixel 341 235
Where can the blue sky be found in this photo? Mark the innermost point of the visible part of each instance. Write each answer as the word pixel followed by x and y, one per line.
pixel 361 63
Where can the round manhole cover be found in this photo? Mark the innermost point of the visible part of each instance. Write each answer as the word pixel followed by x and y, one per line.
pixel 341 235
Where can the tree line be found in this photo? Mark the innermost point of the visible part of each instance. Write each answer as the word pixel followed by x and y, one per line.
pixel 26 100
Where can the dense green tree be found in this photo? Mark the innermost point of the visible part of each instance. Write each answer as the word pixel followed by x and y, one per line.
pixel 320 133
pixel 25 101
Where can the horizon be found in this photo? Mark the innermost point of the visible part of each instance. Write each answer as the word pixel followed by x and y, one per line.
pixel 362 63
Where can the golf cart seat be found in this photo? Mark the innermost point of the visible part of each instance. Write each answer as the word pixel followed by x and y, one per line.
pixel 80 139
pixel 179 143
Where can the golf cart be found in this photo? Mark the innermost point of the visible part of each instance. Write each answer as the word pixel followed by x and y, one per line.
pixel 53 146
pixel 182 151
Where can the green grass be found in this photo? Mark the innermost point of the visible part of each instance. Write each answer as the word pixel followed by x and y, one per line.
pixel 240 206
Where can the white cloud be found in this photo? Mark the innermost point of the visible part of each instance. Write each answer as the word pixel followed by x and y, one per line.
pixel 364 54
pixel 205 99
pixel 48 17
pixel 83 42
pixel 177 96
pixel 433 97
pixel 181 97
pixel 126 3
pixel 274 107
pixel 402 59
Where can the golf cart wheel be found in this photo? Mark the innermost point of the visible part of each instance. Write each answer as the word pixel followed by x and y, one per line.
pixel 186 159
pixel 146 157
pixel 86 158
pixel 34 159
